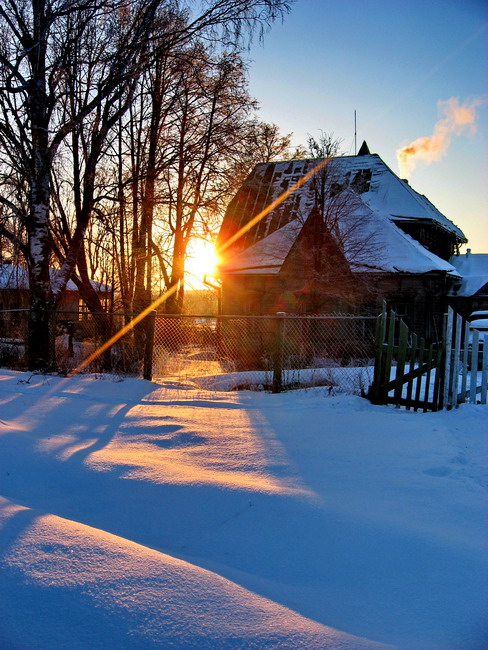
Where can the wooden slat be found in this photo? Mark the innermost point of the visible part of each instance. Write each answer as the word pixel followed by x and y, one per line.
pixel 419 378
pixel 448 395
pixel 464 363
pixel 412 360
pixel 437 398
pixel 401 358
pixel 379 378
pixel 458 322
pixel 484 371
pixel 430 365
pixel 474 367
pixel 389 354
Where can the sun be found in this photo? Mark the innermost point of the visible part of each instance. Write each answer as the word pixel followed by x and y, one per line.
pixel 201 260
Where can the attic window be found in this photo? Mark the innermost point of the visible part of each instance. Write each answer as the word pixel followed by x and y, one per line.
pixel 361 181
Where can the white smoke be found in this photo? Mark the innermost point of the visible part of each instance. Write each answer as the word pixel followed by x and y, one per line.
pixel 459 119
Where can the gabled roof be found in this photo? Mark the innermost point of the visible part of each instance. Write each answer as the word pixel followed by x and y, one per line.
pixel 379 188
pixel 379 200
pixel 473 267
pixel 386 248
pixel 16 277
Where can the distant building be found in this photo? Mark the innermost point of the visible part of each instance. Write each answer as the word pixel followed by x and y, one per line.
pixel 352 236
pixel 469 292
pixel 14 290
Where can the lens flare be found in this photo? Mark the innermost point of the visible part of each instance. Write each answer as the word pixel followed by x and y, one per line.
pixel 202 259
pixel 175 287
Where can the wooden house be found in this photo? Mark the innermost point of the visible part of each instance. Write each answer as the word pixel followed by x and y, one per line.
pixel 14 291
pixel 337 235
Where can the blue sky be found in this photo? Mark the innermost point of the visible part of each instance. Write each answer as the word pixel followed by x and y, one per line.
pixel 393 62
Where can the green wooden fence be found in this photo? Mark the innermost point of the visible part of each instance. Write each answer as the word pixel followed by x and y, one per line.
pixel 408 372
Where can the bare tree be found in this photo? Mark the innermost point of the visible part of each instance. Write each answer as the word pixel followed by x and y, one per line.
pixel 337 241
pixel 213 110
pixel 325 146
pixel 42 47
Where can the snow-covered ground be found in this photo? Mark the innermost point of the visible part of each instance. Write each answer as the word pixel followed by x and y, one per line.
pixel 136 515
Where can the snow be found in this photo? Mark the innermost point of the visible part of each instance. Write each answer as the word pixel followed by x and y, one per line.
pixel 474 271
pixel 138 515
pixel 387 247
pixel 393 196
pixel 267 255
pixel 370 215
pixel 386 193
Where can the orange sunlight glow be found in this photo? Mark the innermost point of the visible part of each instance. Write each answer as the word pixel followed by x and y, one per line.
pixel 202 260
pixel 222 248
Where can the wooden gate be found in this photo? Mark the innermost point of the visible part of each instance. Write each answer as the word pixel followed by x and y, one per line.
pixel 407 372
pixel 466 367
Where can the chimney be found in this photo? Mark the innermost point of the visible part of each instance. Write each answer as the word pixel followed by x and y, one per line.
pixel 468 252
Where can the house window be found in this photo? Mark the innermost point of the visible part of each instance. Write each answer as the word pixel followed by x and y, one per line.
pixel 83 311
pixel 402 308
pixel 253 302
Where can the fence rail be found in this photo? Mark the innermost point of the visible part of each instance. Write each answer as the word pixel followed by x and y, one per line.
pixel 215 352
pixel 266 352
pixel 342 353
pixel 408 372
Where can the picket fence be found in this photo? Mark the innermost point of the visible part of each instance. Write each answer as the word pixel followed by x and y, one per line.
pixel 466 363
pixel 411 373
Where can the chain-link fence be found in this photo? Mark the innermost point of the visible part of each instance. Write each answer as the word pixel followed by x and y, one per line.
pixel 215 353
pixel 266 352
pixel 77 338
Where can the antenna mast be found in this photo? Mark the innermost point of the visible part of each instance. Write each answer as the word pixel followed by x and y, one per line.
pixel 355 135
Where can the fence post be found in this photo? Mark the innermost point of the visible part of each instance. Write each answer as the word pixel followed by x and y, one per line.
pixel 378 377
pixel 149 347
pixel 388 357
pixel 278 353
pixel 447 386
pixel 473 374
pixel 401 359
pixel 484 371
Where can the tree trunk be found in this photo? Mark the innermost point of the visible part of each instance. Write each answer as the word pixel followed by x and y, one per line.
pixel 40 337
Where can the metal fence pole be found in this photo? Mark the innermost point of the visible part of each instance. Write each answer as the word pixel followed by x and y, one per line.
pixel 149 347
pixel 278 353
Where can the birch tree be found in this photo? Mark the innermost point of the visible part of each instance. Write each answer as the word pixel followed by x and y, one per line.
pixel 43 43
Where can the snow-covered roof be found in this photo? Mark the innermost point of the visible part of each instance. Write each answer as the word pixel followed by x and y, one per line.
pixel 473 269
pixel 379 188
pixel 267 255
pixel 16 277
pixel 389 249
pixel 394 197
pixel 376 244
